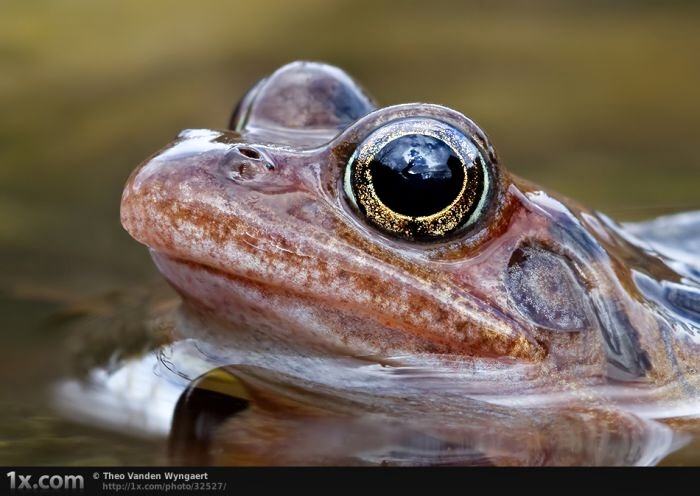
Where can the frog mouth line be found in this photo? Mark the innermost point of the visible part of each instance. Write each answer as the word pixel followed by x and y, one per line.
pixel 370 329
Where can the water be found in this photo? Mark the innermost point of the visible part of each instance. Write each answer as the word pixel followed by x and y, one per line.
pixel 319 410
pixel 88 91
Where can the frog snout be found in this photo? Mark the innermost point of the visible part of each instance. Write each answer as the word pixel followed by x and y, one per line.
pixel 246 163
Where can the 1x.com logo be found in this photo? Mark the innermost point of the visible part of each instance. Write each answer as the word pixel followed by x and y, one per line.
pixel 45 481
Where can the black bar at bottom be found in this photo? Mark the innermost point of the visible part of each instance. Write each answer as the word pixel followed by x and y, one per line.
pixel 460 481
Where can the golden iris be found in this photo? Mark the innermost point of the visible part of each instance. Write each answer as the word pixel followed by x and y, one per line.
pixel 418 179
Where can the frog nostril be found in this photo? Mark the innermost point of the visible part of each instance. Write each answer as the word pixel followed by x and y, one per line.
pixel 245 163
pixel 249 152
pixel 244 171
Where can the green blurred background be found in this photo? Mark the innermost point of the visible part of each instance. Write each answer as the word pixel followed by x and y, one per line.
pixel 597 100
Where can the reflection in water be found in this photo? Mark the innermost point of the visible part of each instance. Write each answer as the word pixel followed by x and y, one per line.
pixel 305 429
pixel 249 415
pixel 206 404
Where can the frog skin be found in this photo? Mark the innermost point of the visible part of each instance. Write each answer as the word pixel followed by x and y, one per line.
pixel 255 228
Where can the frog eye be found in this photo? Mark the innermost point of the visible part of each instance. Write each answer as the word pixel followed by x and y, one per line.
pixel 418 179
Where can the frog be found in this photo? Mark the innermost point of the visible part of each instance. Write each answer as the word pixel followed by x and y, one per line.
pixel 386 256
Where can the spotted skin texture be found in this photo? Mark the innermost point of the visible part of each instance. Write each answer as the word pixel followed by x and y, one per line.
pixel 254 230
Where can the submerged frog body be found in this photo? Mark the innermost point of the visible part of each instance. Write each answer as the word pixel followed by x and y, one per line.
pixel 386 257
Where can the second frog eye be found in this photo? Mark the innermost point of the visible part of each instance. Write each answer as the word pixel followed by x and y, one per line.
pixel 418 179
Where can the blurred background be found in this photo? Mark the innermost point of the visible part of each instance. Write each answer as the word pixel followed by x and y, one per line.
pixel 597 100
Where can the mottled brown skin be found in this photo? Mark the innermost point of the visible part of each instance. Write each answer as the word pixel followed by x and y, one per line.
pixel 253 228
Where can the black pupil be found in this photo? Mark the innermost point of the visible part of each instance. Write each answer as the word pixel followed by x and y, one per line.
pixel 417 175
